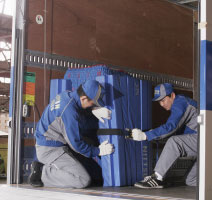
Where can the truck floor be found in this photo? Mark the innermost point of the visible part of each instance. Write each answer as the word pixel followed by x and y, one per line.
pixel 25 192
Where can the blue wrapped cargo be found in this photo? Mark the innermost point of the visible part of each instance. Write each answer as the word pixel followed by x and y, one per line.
pixel 129 99
pixel 59 85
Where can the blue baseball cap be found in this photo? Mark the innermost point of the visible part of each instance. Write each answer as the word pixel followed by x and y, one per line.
pixel 162 91
pixel 94 90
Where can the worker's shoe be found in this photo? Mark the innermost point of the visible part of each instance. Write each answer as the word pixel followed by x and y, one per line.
pixel 35 175
pixel 150 182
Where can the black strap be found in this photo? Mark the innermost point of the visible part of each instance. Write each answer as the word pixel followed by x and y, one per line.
pixel 115 131
pixel 110 132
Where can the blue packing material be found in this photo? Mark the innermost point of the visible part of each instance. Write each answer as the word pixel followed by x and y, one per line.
pixel 129 162
pixel 113 166
pixel 146 104
pixel 113 101
pixel 134 102
pixel 125 97
pixel 145 158
pixel 80 75
pixel 90 72
pixel 134 121
pixel 146 123
pixel 129 152
pixel 138 152
pixel 59 85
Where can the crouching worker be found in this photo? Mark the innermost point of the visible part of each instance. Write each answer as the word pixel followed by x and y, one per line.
pixel 60 149
pixel 183 121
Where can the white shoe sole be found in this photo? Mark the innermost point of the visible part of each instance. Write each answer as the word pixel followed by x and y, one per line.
pixel 143 187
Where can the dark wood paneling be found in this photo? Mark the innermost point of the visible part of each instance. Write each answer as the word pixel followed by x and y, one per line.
pixel 155 35
pixel 74 28
pixel 34 31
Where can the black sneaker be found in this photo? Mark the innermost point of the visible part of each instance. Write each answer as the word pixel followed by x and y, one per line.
pixel 150 182
pixel 35 176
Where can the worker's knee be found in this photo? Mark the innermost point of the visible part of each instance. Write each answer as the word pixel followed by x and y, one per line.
pixel 54 177
pixel 78 181
pixel 83 183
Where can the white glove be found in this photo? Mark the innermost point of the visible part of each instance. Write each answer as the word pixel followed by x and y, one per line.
pixel 101 112
pixel 105 148
pixel 138 135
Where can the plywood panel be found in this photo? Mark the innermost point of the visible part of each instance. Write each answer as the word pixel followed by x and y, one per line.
pixel 35 32
pixel 152 35
pixel 155 35
pixel 74 28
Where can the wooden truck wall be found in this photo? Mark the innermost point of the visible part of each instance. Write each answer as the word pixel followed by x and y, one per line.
pixel 155 36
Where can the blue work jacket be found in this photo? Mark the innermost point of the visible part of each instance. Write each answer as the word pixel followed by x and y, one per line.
pixel 60 125
pixel 182 120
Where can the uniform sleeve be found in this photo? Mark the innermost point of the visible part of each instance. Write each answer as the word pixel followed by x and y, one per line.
pixel 70 122
pixel 174 122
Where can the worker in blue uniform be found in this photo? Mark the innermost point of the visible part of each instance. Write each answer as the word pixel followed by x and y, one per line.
pixel 60 148
pixel 183 121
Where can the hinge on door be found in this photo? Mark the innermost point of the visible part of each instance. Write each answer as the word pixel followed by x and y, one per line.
pixel 200 119
pixel 202 25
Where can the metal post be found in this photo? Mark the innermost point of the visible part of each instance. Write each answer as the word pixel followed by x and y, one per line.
pixel 205 117
pixel 16 93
